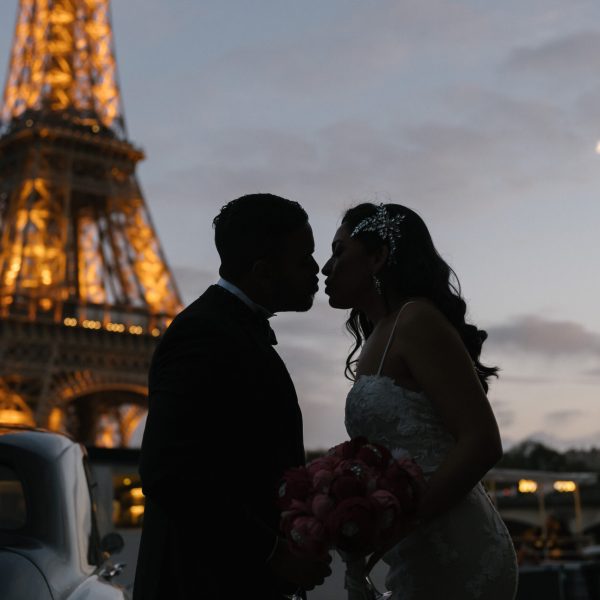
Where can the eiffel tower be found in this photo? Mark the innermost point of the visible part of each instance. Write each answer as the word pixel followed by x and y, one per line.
pixel 85 290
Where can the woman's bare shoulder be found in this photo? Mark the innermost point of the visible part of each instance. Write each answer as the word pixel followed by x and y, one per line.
pixel 421 316
pixel 417 309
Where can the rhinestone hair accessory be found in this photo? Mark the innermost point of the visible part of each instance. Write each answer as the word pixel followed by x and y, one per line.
pixel 386 227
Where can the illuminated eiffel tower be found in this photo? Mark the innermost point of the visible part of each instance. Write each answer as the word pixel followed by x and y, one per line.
pixel 85 290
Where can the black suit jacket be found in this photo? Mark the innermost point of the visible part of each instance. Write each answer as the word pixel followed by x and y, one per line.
pixel 223 425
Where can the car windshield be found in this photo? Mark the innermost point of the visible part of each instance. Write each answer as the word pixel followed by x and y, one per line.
pixel 13 514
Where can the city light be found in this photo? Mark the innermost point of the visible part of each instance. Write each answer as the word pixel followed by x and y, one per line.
pixel 15 417
pixel 136 511
pixel 137 493
pixel 565 486
pixel 527 486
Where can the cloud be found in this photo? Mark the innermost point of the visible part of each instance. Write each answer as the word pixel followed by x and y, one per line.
pixel 350 50
pixel 191 281
pixel 314 344
pixel 592 372
pixel 571 56
pixel 504 415
pixel 484 144
pixel 323 424
pixel 328 108
pixel 524 379
pixel 561 417
pixel 537 335
pixel 324 63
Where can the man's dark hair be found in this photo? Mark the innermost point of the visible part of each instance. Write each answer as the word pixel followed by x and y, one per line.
pixel 253 227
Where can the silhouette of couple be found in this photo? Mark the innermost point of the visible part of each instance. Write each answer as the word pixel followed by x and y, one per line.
pixel 224 422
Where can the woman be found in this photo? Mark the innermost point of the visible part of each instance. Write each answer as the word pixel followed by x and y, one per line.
pixel 420 389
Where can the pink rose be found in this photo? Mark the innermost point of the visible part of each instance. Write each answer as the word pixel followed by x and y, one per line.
pixel 413 469
pixel 300 506
pixel 309 536
pixel 352 525
pixel 372 483
pixel 347 486
pixel 322 505
pixel 403 485
pixel 343 467
pixel 376 456
pixel 383 500
pixel 324 463
pixel 353 466
pixel 397 481
pixel 296 510
pixel 360 470
pixel 387 510
pixel 322 481
pixel 295 485
pixel 349 450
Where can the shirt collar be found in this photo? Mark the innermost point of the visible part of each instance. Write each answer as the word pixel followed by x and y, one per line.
pixel 233 289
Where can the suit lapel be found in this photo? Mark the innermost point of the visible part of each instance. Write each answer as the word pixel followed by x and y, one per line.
pixel 272 367
pixel 241 314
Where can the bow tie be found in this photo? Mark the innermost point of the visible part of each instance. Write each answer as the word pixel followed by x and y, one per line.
pixel 270 333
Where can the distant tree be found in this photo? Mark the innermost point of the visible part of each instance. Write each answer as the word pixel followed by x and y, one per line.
pixel 589 458
pixel 535 455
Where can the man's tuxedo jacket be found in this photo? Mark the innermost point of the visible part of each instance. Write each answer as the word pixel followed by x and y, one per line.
pixel 223 425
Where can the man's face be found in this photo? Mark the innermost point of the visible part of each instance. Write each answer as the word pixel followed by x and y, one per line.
pixel 294 280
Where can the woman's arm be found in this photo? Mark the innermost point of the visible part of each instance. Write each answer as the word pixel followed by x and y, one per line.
pixel 439 362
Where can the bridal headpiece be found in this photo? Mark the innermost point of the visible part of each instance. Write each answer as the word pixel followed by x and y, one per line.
pixel 386 227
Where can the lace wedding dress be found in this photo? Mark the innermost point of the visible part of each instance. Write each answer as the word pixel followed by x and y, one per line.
pixel 466 552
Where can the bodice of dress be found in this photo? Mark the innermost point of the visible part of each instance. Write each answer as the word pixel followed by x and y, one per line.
pixel 468 548
pixel 402 420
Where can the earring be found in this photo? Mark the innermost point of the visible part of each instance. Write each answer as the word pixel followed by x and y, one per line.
pixel 377 284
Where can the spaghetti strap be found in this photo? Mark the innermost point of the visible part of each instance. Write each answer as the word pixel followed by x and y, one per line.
pixel 392 335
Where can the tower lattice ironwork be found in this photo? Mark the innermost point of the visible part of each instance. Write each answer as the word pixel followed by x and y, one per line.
pixel 85 290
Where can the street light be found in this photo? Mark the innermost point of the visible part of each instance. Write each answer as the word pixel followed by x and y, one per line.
pixel 527 486
pixel 571 486
pixel 565 486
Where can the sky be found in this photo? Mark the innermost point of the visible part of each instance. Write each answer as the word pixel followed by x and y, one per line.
pixel 483 117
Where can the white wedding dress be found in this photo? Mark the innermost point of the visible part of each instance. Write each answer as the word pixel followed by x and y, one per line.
pixel 463 554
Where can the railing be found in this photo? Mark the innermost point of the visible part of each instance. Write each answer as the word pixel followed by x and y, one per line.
pixel 113 318
pixel 536 549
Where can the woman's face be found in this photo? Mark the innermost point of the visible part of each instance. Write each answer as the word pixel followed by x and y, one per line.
pixel 349 272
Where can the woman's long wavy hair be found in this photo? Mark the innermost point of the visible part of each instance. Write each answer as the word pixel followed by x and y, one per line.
pixel 419 271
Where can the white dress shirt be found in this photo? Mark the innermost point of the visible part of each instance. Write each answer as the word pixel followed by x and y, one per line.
pixel 233 289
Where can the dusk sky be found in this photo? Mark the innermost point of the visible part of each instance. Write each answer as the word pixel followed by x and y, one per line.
pixel 483 117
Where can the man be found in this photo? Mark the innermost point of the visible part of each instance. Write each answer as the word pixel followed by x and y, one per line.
pixel 224 422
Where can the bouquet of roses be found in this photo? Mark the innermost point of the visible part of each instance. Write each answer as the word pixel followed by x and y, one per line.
pixel 355 499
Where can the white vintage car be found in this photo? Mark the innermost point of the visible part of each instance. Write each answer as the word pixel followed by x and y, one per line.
pixel 49 543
